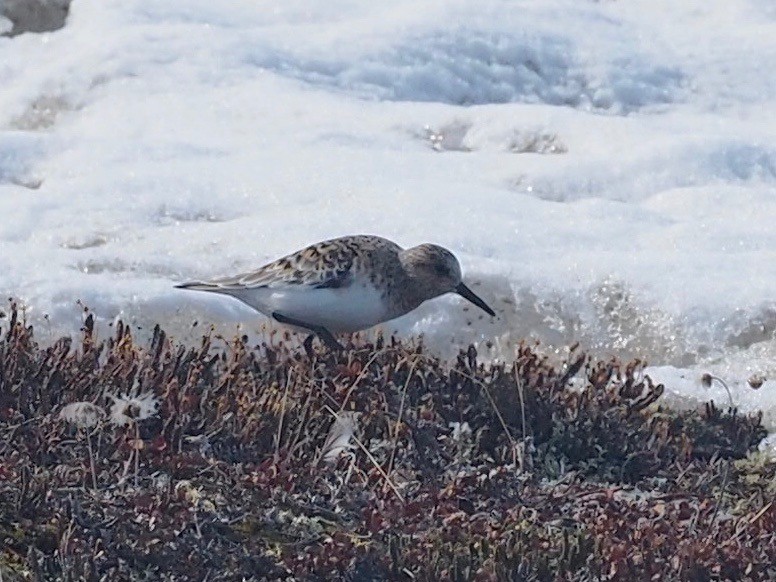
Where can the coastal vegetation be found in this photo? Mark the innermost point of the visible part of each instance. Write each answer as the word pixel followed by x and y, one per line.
pixel 228 461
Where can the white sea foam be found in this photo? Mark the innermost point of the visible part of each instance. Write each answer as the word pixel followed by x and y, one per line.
pixel 606 171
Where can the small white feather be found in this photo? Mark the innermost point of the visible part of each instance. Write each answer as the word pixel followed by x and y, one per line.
pixel 340 434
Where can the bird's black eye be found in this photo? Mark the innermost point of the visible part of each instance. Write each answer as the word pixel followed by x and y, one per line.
pixel 441 270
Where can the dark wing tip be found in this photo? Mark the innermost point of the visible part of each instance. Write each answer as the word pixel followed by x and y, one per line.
pixel 333 283
pixel 196 286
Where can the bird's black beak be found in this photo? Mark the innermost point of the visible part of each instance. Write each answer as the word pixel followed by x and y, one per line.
pixel 467 293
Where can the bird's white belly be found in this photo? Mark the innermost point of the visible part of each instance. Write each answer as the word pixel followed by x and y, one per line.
pixel 340 310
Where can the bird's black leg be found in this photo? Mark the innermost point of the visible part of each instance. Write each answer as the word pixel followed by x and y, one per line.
pixel 329 339
pixel 318 330
pixel 308 345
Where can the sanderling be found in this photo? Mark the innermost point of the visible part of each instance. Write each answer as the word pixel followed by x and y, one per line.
pixel 345 284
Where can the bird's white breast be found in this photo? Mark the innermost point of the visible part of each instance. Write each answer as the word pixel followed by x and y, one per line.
pixel 340 310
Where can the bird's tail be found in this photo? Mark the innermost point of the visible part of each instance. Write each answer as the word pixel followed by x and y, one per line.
pixel 200 286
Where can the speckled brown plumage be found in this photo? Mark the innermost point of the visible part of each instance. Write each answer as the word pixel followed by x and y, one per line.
pixel 329 263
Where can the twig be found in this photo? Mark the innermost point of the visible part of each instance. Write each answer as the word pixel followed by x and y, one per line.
pixel 360 377
pixel 707 379
pixel 282 413
pixel 91 460
pixel 303 418
pixel 519 383
pixel 136 451
pixel 196 523
pixel 721 492
pixel 501 420
pixel 753 519
pixel 401 413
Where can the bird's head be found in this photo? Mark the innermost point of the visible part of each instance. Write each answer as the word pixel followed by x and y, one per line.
pixel 436 271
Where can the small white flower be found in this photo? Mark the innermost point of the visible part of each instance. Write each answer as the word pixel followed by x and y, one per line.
pixel 460 430
pixel 128 409
pixel 190 493
pixel 82 414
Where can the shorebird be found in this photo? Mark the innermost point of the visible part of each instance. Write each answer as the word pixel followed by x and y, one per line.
pixel 345 285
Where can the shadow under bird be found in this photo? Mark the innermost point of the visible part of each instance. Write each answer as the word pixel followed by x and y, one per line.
pixel 345 285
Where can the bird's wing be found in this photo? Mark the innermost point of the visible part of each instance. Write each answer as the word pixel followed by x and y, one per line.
pixel 328 264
